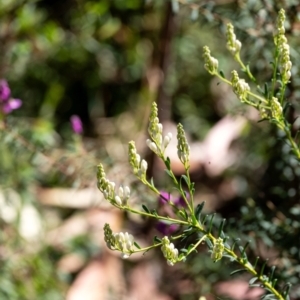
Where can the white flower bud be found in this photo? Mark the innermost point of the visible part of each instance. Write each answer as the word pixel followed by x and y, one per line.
pixel 144 166
pixel 121 192
pixel 159 127
pixel 167 140
pixel 137 159
pixel 118 200
pixel 152 146
pixel 126 192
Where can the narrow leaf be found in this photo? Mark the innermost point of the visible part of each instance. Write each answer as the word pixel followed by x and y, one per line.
pixel 156 240
pixel 169 173
pixel 237 271
pixel 222 73
pixel 221 227
pixel 168 163
pixel 199 210
pixel 186 180
pixel 145 208
pixel 252 280
pixel 137 245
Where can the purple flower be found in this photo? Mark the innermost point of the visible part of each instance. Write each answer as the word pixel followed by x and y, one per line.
pixel 165 228
pixel 11 105
pixel 4 90
pixel 179 201
pixel 164 197
pixel 76 124
pixel 7 104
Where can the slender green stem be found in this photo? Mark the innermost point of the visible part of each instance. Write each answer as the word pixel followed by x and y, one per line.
pixel 190 192
pixel 158 217
pixel 294 146
pixel 282 92
pixel 274 71
pixel 244 68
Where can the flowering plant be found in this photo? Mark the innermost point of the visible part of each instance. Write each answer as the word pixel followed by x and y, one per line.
pixel 189 217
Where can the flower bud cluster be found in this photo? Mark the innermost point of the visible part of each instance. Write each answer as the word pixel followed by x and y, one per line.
pixel 169 251
pixel 183 148
pixel 233 45
pixel 217 252
pixel 263 113
pixel 108 189
pixel 210 63
pixel 240 86
pixel 139 166
pixel 276 108
pixel 157 143
pixel 123 242
pixel 284 49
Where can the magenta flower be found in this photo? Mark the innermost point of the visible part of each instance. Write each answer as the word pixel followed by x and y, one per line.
pixel 165 228
pixel 7 104
pixel 179 201
pixel 76 124
pixel 4 90
pixel 11 105
pixel 166 197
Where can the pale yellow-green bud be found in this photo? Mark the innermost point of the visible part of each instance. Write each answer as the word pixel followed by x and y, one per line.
pixel 183 148
pixel 280 21
pixel 263 113
pixel 169 251
pixel 233 45
pixel 217 252
pixel 109 237
pixel 276 108
pixel 210 63
pixel 240 86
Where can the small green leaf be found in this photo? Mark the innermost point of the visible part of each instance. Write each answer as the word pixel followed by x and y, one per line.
pixel 137 245
pixel 263 268
pixel 237 271
pixel 151 181
pixel 169 173
pixel 211 223
pixel 156 240
pixel 183 214
pixel 266 91
pixel 209 243
pixel 221 227
pixel 204 219
pixel 252 280
pixel 194 220
pixel 168 163
pixel 222 73
pixel 145 208
pixel 199 210
pixel 190 228
pixel 154 212
pixel 186 180
pixel 184 250
pixel 272 273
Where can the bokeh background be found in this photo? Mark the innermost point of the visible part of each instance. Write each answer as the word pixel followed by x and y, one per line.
pixel 106 61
